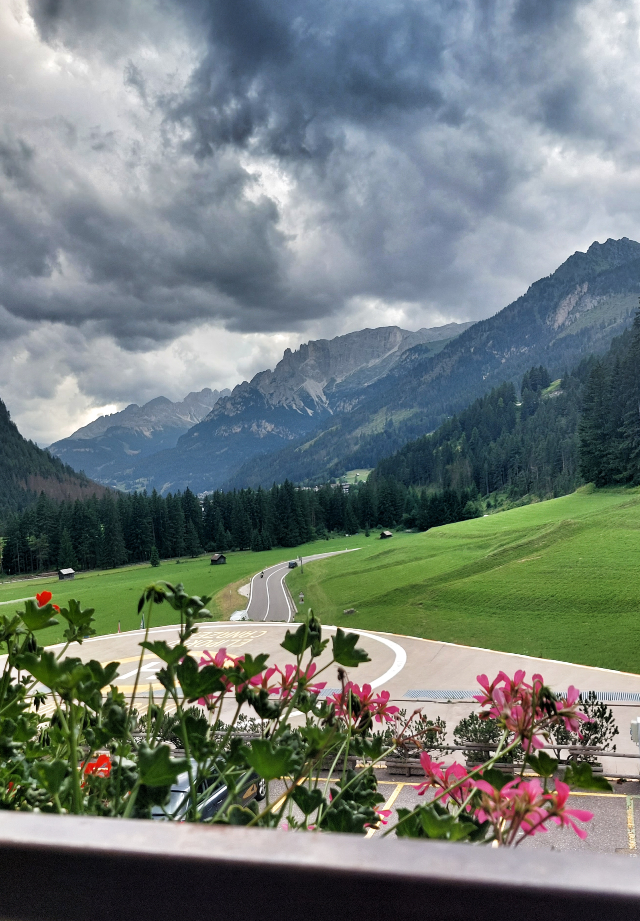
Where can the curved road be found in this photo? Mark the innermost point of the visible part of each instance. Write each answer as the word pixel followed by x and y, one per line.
pixel 268 600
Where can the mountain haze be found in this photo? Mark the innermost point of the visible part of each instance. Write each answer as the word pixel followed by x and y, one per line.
pixel 108 447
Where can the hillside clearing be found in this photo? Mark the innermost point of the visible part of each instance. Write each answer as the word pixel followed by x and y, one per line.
pixel 557 579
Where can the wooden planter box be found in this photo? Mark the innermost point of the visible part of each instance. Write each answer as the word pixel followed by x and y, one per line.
pixel 405 767
pixel 327 763
pixel 505 767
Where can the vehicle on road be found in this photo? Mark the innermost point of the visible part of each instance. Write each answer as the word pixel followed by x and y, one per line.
pixel 293 564
pixel 211 794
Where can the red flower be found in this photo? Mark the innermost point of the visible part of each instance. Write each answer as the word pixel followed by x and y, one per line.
pixel 101 767
pixel 44 598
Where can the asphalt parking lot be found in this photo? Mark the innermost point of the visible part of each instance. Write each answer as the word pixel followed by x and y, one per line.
pixel 611 831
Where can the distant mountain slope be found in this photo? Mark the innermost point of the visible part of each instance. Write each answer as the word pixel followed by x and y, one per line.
pixel 320 379
pixel 577 310
pixel 26 470
pixel 108 448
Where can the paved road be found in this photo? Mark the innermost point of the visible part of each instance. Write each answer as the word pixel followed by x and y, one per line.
pixel 268 600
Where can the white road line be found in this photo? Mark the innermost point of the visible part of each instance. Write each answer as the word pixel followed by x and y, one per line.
pixel 18 600
pixel 145 668
pixel 400 655
pixel 268 598
pixel 286 596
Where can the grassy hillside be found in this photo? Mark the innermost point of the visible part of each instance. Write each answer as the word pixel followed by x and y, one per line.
pixel 114 593
pixel 557 579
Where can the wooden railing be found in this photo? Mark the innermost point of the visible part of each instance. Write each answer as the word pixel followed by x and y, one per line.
pixel 55 868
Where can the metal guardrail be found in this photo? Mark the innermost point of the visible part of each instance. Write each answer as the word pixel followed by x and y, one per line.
pixel 456 695
pixel 72 868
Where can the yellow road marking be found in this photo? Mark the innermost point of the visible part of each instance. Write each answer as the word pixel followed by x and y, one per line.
pixel 631 824
pixel 389 803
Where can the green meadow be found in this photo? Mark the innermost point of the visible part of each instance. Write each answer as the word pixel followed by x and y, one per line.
pixel 559 579
pixel 114 593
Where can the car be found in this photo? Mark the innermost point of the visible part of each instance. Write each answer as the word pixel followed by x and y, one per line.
pixel 293 564
pixel 211 793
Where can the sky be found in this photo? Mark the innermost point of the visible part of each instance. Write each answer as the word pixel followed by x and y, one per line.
pixel 188 187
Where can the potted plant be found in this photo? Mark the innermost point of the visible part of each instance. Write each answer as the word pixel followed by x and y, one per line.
pixel 476 732
pixel 412 737
pixel 597 732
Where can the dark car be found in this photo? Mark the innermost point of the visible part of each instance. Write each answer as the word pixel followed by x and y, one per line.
pixel 293 564
pixel 211 793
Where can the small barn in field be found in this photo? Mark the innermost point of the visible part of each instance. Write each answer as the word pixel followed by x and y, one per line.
pixel 66 574
pixel 385 534
pixel 217 559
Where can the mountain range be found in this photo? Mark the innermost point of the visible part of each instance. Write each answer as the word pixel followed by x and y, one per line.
pixel 108 448
pixel 317 381
pixel 572 313
pixel 345 403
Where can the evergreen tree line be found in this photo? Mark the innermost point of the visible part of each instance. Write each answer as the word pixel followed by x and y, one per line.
pixel 522 446
pixel 610 423
pixel 129 528
pixel 23 465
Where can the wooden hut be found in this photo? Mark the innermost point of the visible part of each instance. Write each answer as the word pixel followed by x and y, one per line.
pixel 217 559
pixel 385 534
pixel 66 574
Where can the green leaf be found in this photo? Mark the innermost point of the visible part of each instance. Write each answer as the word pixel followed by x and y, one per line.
pixel 169 654
pixel 372 748
pixel 37 618
pixel 496 778
pixel 308 800
pixel 297 642
pixel 51 774
pixel 268 761
pixel 56 675
pixel 240 815
pixel 439 824
pixel 253 667
pixel 345 651
pixel 76 615
pixel 157 768
pixel 543 764
pixel 103 676
pixel 196 683
pixel 579 774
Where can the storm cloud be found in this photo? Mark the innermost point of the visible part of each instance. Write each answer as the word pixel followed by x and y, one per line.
pixel 245 175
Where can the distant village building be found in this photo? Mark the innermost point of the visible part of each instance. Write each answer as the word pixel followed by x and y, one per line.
pixel 218 558
pixel 65 574
pixel 385 534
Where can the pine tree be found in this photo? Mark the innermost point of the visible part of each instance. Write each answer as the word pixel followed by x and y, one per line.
pixel 66 554
pixel 154 559
pixel 192 541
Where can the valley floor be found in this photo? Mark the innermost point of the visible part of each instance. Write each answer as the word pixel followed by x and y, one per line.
pixel 558 579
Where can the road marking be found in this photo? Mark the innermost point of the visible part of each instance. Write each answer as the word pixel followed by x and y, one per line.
pixel 18 600
pixel 286 596
pixel 400 655
pixel 267 587
pixel 631 825
pixel 389 803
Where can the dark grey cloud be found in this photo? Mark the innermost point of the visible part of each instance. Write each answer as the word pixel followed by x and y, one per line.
pixel 271 167
pixel 399 125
